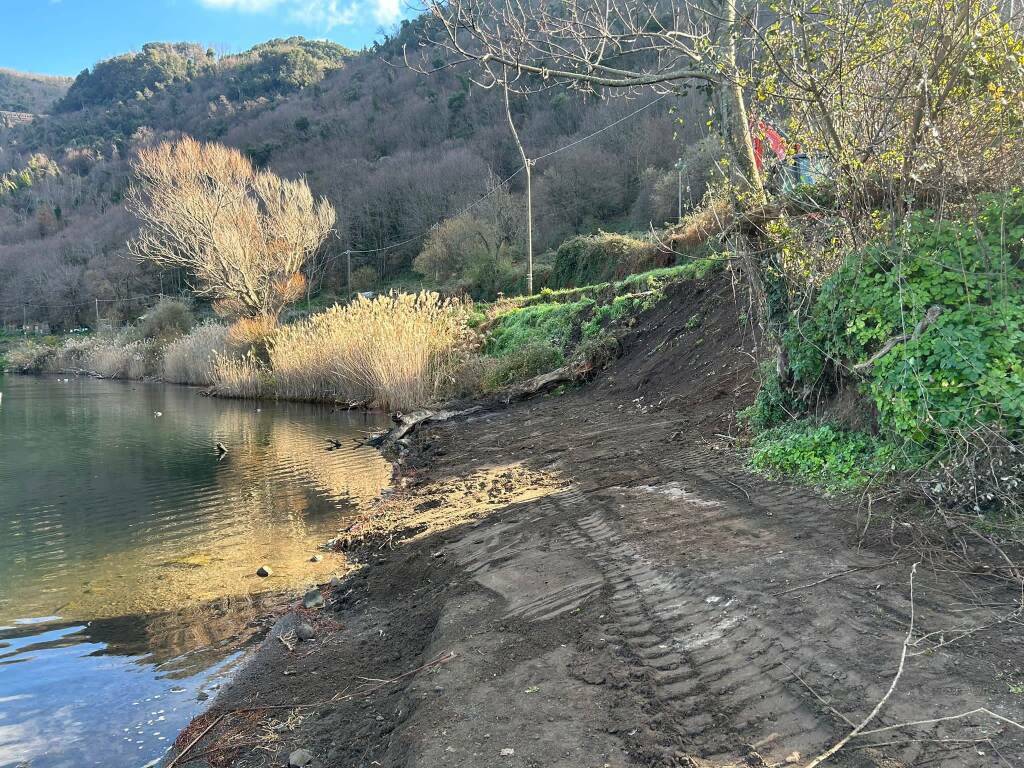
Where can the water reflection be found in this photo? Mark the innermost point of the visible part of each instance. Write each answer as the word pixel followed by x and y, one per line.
pixel 138 547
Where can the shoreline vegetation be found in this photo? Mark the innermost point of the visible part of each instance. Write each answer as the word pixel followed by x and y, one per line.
pixel 397 351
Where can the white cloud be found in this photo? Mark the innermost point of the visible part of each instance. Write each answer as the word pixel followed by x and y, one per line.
pixel 322 14
pixel 387 11
pixel 248 6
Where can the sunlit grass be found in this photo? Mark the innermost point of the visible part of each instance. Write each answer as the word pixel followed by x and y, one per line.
pixel 396 351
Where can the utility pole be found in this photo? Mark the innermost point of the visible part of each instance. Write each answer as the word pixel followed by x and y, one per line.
pixel 527 163
pixel 679 204
pixel 529 227
pixel 97 314
pixel 348 271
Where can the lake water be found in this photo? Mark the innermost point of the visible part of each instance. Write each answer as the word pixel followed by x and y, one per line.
pixel 129 549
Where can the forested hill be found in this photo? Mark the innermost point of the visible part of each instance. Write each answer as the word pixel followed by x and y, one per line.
pixel 394 150
pixel 26 92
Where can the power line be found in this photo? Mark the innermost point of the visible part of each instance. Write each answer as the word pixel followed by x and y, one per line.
pixel 500 184
pixel 572 144
pixel 408 240
pixel 87 303
pixel 475 203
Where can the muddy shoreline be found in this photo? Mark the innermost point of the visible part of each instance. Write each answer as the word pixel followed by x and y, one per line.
pixel 593 579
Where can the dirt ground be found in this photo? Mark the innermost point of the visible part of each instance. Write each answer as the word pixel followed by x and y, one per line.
pixel 592 580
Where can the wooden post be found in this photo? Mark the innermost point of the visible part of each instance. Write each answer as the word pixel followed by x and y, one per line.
pixel 97 314
pixel 529 228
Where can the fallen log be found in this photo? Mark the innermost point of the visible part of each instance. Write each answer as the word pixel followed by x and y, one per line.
pixel 407 423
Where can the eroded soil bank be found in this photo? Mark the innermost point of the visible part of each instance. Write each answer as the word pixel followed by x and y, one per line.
pixel 592 579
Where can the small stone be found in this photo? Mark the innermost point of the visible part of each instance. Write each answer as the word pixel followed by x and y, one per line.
pixel 335 582
pixel 507 752
pixel 202 696
pixel 300 758
pixel 304 632
pixel 263 571
pixel 313 599
pixel 316 558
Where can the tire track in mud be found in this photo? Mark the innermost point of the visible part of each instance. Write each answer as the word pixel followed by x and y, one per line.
pixel 718 645
pixel 695 558
pixel 710 663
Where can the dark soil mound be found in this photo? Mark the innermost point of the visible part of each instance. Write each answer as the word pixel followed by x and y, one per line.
pixel 694 353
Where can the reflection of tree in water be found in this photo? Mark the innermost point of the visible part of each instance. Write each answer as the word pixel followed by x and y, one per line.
pixel 184 642
pixel 139 517
pixel 181 643
pixel 297 453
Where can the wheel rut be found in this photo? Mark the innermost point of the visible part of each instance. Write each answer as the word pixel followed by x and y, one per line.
pixel 709 663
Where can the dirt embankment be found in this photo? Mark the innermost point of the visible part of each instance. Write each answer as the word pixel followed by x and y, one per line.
pixel 593 580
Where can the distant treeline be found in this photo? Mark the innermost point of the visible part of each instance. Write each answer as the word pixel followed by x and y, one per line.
pixel 394 151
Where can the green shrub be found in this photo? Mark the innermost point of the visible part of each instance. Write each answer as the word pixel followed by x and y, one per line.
pixel 525 362
pixel 824 455
pixel 773 405
pixel 550 324
pixel 587 259
pixel 968 367
pixel 166 321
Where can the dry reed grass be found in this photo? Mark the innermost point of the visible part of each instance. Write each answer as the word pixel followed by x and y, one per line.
pixel 112 357
pixel 191 358
pixel 246 377
pixel 113 360
pixel 397 352
pixel 708 221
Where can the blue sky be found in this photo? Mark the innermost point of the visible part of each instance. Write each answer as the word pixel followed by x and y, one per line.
pixel 62 37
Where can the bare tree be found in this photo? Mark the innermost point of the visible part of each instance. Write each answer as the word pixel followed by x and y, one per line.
pixel 626 46
pixel 244 234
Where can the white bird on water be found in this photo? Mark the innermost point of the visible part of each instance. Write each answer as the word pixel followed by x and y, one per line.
pixel 157 414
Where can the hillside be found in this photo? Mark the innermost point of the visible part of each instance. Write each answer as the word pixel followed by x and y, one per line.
pixel 395 151
pixel 27 92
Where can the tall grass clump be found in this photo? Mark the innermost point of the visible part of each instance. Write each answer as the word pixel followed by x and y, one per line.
pixel 116 360
pixel 191 359
pixel 245 377
pixel 29 357
pixel 396 352
pixel 111 356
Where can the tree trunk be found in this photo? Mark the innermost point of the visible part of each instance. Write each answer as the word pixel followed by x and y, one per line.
pixel 735 121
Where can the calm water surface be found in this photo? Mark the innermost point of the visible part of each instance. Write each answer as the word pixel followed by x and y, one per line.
pixel 128 552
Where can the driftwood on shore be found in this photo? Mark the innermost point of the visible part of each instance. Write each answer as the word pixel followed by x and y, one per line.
pixel 407 423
